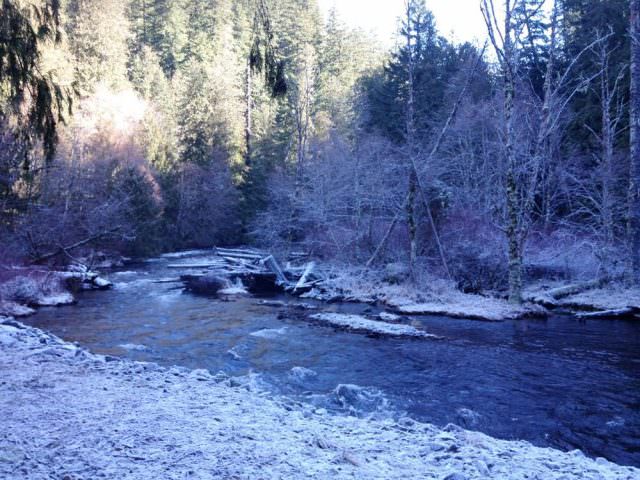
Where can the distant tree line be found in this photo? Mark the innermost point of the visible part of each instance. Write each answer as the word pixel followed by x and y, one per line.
pixel 200 122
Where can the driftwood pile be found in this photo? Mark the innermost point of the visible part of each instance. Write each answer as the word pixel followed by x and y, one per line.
pixel 258 271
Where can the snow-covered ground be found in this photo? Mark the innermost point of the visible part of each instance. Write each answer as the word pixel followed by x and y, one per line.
pixel 67 413
pixel 433 297
pixel 359 323
pixel 608 298
pixel 589 297
pixel 26 291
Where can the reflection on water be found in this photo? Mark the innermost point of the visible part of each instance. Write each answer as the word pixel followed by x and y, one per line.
pixel 560 382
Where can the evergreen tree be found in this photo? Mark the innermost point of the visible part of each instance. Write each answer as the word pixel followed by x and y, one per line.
pixel 99 31
pixel 582 22
pixel 533 55
pixel 24 27
pixel 434 62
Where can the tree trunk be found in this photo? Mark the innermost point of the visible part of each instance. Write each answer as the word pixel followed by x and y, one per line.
pixel 513 209
pixel 411 148
pixel 607 160
pixel 633 223
pixel 411 221
pixel 247 115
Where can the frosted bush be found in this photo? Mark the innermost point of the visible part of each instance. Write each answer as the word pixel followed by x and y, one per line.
pixel 21 290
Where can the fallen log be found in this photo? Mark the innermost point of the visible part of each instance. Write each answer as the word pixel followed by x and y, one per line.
pixel 190 266
pixel 562 292
pixel 243 254
pixel 618 313
pixel 272 265
pixel 303 278
pixel 241 250
pixel 62 249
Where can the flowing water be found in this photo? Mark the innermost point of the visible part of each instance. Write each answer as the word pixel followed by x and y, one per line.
pixel 559 382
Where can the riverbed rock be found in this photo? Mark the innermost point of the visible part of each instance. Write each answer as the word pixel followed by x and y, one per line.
pixel 55 300
pixel 13 309
pixel 273 303
pixel 455 476
pixel 467 418
pixel 389 317
pixel 205 285
pixel 78 278
pixel 102 283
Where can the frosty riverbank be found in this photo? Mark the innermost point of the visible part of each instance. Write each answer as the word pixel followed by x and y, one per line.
pixel 70 414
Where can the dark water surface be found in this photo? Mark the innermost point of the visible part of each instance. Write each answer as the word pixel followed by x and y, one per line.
pixel 559 382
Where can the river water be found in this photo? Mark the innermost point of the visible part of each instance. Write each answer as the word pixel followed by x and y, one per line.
pixel 559 382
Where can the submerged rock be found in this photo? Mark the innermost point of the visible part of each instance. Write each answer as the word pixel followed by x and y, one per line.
pixel 467 418
pixel 205 285
pixel 455 476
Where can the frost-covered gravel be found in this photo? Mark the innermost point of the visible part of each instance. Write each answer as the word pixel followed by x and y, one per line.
pixel 69 414
pixel 360 323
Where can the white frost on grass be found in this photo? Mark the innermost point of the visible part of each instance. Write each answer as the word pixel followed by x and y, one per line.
pixel 436 297
pixel 12 309
pixel 460 305
pixel 360 323
pixel 68 413
pixel 609 298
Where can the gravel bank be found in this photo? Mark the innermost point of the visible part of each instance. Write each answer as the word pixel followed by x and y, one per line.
pixel 69 414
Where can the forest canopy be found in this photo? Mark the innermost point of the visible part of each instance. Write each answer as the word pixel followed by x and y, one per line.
pixel 144 126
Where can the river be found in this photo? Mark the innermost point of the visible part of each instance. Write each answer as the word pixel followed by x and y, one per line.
pixel 559 382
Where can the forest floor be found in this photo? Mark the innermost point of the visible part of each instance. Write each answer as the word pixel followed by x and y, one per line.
pixel 434 296
pixel 609 297
pixel 70 414
pixel 437 296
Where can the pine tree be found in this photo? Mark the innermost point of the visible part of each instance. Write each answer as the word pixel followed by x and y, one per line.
pixel 533 55
pixel 23 30
pixel 582 21
pixel 99 33
pixel 434 63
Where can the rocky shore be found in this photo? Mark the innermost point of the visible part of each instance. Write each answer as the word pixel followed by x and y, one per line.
pixel 70 414
pixel 30 289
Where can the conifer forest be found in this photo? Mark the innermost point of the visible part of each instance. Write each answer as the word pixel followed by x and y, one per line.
pixel 464 213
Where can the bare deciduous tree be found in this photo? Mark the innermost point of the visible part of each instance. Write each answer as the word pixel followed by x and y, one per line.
pixel 634 168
